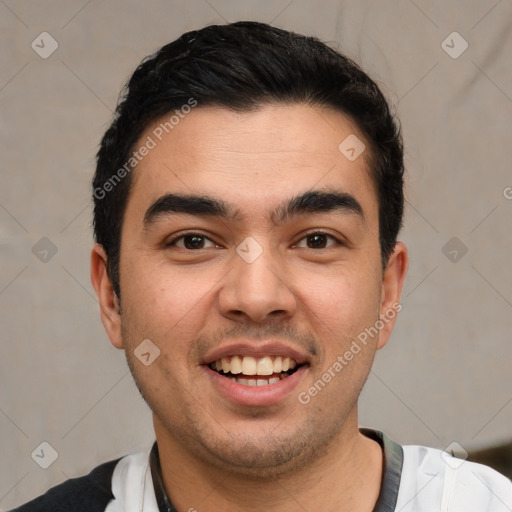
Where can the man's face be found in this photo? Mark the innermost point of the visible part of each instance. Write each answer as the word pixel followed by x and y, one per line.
pixel 258 285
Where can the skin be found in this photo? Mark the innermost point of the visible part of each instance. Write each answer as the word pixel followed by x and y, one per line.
pixel 216 454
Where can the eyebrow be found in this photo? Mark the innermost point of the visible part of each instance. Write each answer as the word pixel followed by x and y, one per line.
pixel 310 202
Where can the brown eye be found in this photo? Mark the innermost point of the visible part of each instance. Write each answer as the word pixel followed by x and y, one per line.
pixel 318 240
pixel 191 241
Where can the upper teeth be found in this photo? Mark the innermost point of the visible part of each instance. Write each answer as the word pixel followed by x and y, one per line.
pixel 248 365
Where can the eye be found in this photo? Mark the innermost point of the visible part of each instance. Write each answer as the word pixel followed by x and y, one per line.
pixel 197 241
pixel 191 241
pixel 318 240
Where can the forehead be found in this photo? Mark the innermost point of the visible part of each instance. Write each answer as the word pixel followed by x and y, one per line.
pixel 252 160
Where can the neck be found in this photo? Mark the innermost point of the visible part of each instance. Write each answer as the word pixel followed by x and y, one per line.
pixel 345 477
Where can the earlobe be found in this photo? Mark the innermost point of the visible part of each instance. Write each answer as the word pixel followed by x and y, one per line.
pixel 109 304
pixel 391 291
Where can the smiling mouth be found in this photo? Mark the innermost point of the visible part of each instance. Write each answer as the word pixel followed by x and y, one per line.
pixel 250 371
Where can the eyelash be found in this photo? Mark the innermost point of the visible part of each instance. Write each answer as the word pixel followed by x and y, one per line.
pixel 183 235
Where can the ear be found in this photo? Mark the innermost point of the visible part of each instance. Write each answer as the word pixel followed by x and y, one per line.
pixel 392 284
pixel 109 305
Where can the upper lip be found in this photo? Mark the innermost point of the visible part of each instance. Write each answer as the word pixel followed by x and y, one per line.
pixel 257 351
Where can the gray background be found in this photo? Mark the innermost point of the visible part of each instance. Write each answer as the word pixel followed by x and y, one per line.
pixel 444 376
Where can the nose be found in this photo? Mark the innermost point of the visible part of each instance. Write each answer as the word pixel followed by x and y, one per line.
pixel 257 289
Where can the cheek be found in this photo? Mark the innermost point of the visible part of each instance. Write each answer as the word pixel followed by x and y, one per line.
pixel 169 307
pixel 345 300
pixel 156 296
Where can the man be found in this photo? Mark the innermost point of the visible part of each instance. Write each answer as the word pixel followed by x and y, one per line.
pixel 248 197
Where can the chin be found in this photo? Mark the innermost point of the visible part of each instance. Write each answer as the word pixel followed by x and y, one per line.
pixel 265 464
pixel 266 457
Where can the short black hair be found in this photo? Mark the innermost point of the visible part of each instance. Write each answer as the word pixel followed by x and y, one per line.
pixel 242 66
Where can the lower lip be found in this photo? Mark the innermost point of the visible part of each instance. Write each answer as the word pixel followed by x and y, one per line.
pixel 255 396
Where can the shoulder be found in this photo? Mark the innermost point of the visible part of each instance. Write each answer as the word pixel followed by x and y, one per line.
pixel 88 493
pixel 434 478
